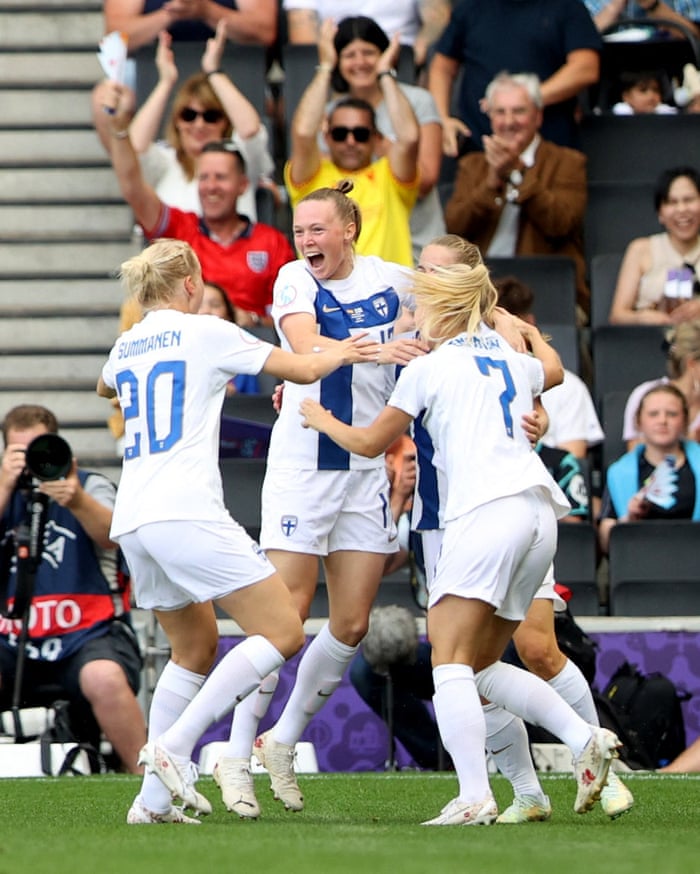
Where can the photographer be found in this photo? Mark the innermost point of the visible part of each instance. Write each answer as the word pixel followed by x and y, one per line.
pixel 80 644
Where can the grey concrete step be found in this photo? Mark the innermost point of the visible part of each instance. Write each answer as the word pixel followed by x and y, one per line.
pixel 63 259
pixel 49 68
pixel 59 185
pixel 69 370
pixel 76 407
pixel 51 29
pixel 47 222
pixel 76 296
pixel 51 147
pixel 46 334
pixel 94 443
pixel 45 107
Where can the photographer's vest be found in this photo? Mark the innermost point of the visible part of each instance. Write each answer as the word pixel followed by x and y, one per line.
pixel 78 589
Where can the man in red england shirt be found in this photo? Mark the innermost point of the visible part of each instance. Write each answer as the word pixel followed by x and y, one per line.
pixel 240 256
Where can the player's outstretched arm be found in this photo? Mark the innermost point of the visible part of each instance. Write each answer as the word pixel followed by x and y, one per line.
pixel 369 441
pixel 307 368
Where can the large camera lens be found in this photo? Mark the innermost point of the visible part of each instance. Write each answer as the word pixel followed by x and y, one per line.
pixel 49 457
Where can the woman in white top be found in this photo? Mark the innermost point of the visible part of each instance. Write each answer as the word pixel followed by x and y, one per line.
pixel 418 23
pixel 352 49
pixel 500 528
pixel 207 107
pixel 658 281
pixel 185 552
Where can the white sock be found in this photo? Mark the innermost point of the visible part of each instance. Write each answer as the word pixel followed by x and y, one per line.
pixel 320 671
pixel 574 689
pixel 462 728
pixel 533 700
pixel 508 744
pixel 175 688
pixel 247 716
pixel 239 672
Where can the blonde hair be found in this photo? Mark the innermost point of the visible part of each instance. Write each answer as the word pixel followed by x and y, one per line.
pixel 464 251
pixel 154 275
pixel 455 299
pixel 347 209
pixel 197 87
pixel 684 343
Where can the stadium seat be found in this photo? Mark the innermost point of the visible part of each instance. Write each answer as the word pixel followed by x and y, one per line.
pixel 575 566
pixel 617 213
pixel 251 407
pixel 604 271
pixel 637 148
pixel 552 278
pixel 565 340
pixel 242 479
pixel 624 356
pixel 612 414
pixel 655 568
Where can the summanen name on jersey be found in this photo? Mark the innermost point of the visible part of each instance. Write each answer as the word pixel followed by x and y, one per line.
pixel 162 340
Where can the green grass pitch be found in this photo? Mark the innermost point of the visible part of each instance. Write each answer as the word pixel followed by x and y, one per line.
pixel 353 823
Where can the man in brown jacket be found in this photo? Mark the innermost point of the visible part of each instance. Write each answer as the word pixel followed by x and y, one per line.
pixel 522 195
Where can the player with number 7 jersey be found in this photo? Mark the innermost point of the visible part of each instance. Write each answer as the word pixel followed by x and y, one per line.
pixel 500 526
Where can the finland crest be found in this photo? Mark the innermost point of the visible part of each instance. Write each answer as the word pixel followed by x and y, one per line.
pixel 288 524
pixel 381 306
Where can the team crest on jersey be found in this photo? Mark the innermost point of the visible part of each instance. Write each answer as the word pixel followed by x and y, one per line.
pixel 285 296
pixel 288 524
pixel 381 306
pixel 257 261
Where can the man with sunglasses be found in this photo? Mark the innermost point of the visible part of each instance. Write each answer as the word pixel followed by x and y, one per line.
pixel 241 256
pixel 385 189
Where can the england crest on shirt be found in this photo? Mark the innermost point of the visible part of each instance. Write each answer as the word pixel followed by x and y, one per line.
pixel 257 261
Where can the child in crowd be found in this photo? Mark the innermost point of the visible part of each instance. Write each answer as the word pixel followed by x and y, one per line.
pixel 642 93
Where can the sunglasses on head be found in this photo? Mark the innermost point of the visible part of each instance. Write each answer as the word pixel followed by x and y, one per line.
pixel 210 116
pixel 360 134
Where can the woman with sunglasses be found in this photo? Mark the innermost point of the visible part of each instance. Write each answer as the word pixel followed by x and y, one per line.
pixel 208 107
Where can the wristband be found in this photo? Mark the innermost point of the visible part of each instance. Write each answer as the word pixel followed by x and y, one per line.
pixel 391 73
pixel 120 134
pixel 324 67
pixel 214 72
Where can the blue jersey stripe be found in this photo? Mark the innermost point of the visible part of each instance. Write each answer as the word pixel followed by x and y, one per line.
pixel 427 477
pixel 336 321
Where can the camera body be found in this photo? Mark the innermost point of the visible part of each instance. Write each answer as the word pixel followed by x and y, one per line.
pixel 48 457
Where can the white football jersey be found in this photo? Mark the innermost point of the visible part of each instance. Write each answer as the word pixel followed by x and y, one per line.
pixel 369 300
pixel 170 372
pixel 474 391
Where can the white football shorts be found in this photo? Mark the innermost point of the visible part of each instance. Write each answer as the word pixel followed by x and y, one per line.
pixel 498 553
pixel 317 512
pixel 177 563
